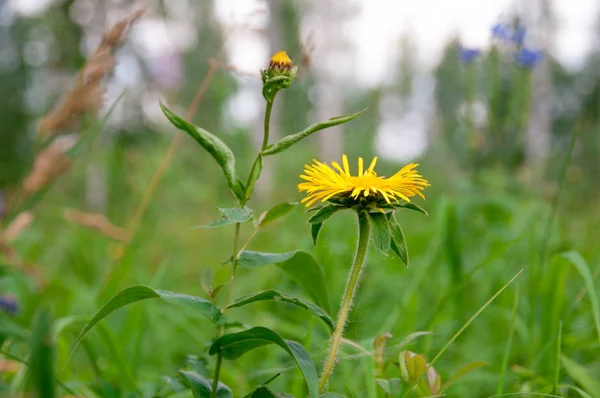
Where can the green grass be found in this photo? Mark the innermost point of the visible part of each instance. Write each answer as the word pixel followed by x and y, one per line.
pixel 477 237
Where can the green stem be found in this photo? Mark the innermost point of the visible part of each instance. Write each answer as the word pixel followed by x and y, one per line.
pixel 352 284
pixel 234 258
pixel 215 385
pixel 267 123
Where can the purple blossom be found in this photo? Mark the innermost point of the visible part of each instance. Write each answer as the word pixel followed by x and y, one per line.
pixel 501 31
pixel 507 33
pixel 468 55
pixel 9 304
pixel 527 58
pixel 518 35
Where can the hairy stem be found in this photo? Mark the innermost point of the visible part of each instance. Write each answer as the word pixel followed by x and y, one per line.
pixel 351 285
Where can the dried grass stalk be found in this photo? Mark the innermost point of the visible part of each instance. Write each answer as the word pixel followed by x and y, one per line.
pixel 49 165
pixel 18 225
pixel 86 95
pixel 99 223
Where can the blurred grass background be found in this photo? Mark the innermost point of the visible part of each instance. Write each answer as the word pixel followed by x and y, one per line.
pixel 490 206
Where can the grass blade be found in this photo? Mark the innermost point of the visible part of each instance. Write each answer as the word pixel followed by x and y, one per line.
pixel 459 332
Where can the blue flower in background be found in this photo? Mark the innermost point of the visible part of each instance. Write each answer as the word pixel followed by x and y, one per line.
pixel 527 58
pixel 501 31
pixel 467 55
pixel 506 33
pixel 518 35
pixel 9 305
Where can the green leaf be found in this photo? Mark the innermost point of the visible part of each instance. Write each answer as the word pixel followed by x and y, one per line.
pixel 201 387
pixel 213 145
pixel 299 265
pixel 254 174
pixel 290 140
pixel 41 359
pixel 265 392
pixel 230 216
pixel 277 296
pixel 463 371
pixel 314 231
pixel 579 262
pixel 411 206
pixel 137 293
pixel 232 346
pixel 398 244
pixel 581 375
pixel 324 213
pixel 275 212
pixel 381 231
pixel 332 395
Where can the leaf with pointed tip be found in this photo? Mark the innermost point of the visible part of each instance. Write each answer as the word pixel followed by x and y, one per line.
pixel 201 387
pixel 412 206
pixel 229 216
pixel 254 175
pixel 213 145
pixel 232 346
pixel 463 371
pixel 398 244
pixel 324 213
pixel 275 213
pixel 290 140
pixel 581 375
pixel 265 392
pixel 314 231
pixel 277 296
pixel 299 265
pixel 137 293
pixel 381 231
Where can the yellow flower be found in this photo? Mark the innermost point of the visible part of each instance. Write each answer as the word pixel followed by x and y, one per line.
pixel 280 62
pixel 323 183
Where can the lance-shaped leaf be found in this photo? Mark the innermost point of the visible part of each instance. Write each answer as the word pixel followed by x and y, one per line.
pixel 254 174
pixel 136 293
pixel 275 212
pixel 299 265
pixel 213 145
pixel 233 346
pixel 201 387
pixel 290 140
pixel 229 216
pixel 277 296
pixel 265 392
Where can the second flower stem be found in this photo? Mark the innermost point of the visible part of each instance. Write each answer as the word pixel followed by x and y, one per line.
pixel 351 286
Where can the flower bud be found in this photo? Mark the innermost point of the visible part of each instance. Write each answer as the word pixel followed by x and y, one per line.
pixel 280 64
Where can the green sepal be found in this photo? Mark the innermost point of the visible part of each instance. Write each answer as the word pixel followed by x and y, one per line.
pixel 381 231
pixel 213 145
pixel 398 242
pixel 314 231
pixel 290 140
pixel 324 213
